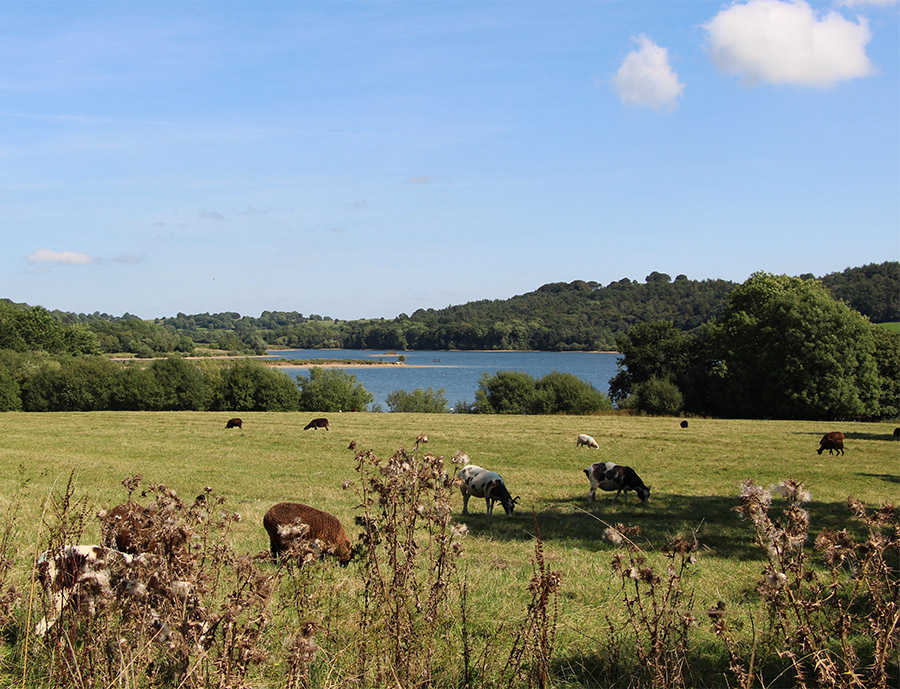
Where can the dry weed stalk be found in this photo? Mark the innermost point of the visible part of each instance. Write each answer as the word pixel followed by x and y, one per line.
pixel 823 622
pixel 409 549
pixel 185 611
pixel 660 611
pixel 533 646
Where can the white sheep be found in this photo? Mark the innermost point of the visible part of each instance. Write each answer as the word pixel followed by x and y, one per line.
pixel 585 439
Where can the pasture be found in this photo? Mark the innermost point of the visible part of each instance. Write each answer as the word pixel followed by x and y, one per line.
pixel 694 473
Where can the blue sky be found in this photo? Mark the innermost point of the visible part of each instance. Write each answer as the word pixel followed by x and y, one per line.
pixel 365 159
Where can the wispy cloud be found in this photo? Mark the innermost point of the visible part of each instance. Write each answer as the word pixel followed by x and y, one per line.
pixel 63 258
pixel 646 78
pixel 787 43
pixel 127 258
pixel 861 3
pixel 421 179
pixel 253 211
pixel 212 215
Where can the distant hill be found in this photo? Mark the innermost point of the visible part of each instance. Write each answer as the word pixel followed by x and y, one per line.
pixel 578 315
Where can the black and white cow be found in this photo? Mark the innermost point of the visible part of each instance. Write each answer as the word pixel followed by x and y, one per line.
pixel 484 484
pixel 609 476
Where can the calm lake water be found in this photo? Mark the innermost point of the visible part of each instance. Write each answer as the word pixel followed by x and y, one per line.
pixel 458 373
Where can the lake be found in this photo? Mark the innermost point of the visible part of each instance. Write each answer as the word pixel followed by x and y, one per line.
pixel 458 373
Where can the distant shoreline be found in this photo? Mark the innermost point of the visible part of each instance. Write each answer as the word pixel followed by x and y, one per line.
pixel 268 360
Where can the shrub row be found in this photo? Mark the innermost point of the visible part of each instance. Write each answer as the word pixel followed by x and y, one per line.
pixel 39 382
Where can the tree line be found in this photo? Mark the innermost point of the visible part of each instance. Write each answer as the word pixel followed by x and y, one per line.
pixel 775 347
pixel 35 381
pixel 560 316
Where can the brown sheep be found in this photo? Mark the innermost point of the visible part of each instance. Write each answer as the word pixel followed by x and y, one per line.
pixel 133 528
pixel 831 442
pixel 321 422
pixel 234 423
pixel 289 523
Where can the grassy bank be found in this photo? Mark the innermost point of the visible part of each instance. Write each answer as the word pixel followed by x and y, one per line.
pixel 695 475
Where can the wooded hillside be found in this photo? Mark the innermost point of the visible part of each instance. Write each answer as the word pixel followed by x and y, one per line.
pixel 579 315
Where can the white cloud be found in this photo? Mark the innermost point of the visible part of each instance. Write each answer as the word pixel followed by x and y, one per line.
pixel 786 43
pixel 646 78
pixel 64 258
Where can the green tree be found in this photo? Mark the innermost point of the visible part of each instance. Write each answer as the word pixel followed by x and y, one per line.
pixel 505 392
pixel 649 350
pixel 419 401
pixel 182 386
pixel 40 330
pixel 887 360
pixel 251 386
pixel 332 390
pixel 10 393
pixel 657 396
pixel 564 393
pixel 788 350
pixel 138 390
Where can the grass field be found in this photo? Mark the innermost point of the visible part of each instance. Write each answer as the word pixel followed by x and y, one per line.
pixel 695 476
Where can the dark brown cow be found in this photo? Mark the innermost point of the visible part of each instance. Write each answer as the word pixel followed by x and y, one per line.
pixel 897 434
pixel 684 424
pixel 321 422
pixel 832 442
pixel 234 423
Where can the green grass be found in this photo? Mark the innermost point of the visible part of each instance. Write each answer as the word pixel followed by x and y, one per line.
pixel 893 327
pixel 695 475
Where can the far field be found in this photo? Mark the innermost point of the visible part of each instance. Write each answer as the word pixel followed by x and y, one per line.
pixel 695 475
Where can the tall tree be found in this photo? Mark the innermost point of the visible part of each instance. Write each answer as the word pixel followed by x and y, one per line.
pixel 787 349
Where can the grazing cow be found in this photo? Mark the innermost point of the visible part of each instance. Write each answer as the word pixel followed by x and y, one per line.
pixel 897 434
pixel 585 439
pixel 684 424
pixel 290 523
pixel 321 422
pixel 234 423
pixel 832 442
pixel 484 484
pixel 609 476
pixel 78 577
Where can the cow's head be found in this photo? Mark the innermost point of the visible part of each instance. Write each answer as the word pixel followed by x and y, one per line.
pixel 643 493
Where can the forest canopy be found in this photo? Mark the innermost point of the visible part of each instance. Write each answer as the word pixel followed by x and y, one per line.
pixel 579 315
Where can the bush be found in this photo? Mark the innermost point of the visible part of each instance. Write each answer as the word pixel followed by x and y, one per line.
pixel 506 392
pixel 514 392
pixel 332 390
pixel 564 393
pixel 10 395
pixel 182 385
pixel 658 396
pixel 418 401
pixel 250 386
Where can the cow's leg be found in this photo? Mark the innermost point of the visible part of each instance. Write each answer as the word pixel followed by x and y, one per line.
pixel 490 504
pixel 465 502
pixel 591 497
